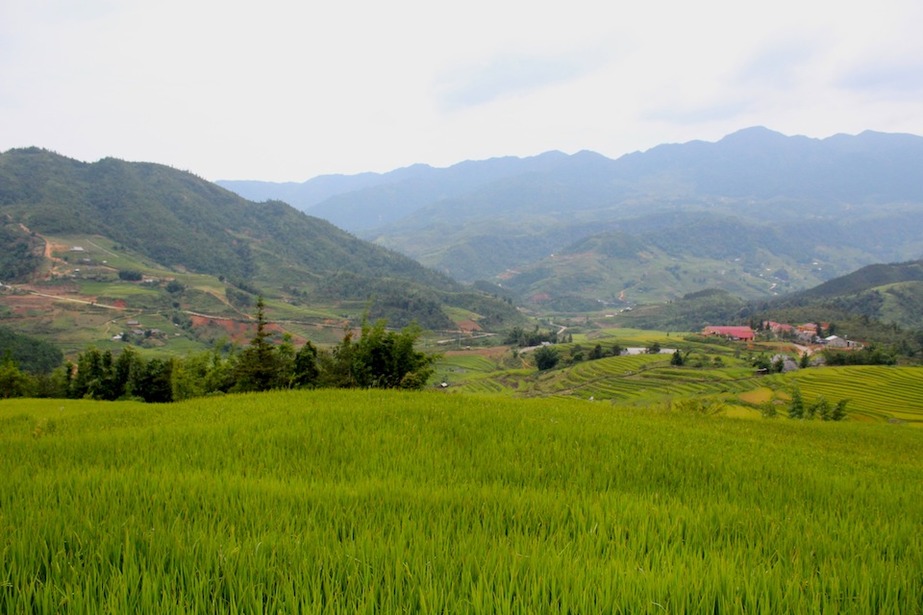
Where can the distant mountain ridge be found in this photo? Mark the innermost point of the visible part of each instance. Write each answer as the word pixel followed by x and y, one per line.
pixel 367 200
pixel 816 208
pixel 754 162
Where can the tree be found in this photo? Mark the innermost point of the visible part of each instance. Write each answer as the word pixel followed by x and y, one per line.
pixel 204 373
pixel 379 358
pixel 13 382
pixel 677 358
pixel 336 366
pixel 258 365
pixel 155 383
pixel 796 407
pixel 189 376
pixel 388 359
pixel 126 370
pixel 546 358
pixel 654 348
pixel 821 408
pixel 805 361
pixel 89 375
pixel 839 411
pixel 305 373
pixel 130 275
pixel 778 364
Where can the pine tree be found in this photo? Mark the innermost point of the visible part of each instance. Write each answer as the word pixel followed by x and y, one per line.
pixel 258 366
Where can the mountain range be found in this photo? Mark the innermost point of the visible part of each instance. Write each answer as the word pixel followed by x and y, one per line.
pixel 85 230
pixel 757 213
pixel 755 223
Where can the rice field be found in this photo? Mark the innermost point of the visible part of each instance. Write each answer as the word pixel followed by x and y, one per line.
pixel 874 392
pixel 378 502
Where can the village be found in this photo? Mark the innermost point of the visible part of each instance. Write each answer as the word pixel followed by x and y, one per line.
pixel 811 333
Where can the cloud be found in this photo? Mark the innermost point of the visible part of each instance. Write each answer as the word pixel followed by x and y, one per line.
pixel 891 79
pixel 507 75
pixel 778 65
pixel 699 114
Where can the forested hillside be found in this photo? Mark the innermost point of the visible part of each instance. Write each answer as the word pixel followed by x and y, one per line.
pixel 135 235
pixel 180 220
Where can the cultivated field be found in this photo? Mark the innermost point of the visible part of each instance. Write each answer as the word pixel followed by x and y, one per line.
pixel 375 502
pixel 718 374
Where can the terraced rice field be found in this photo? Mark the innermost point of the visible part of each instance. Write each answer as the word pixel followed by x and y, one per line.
pixel 874 392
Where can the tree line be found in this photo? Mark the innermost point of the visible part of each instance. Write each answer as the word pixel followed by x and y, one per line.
pixel 377 358
pixel 821 408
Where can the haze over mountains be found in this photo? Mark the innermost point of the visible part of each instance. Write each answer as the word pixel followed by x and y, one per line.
pixel 756 213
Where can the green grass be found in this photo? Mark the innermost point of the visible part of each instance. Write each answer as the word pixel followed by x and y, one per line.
pixel 363 501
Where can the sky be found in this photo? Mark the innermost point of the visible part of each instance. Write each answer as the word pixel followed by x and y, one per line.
pixel 285 91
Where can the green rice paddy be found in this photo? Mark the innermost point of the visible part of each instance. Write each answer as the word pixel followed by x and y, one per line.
pixel 379 502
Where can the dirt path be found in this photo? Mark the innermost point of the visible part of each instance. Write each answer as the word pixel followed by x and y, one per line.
pixel 72 300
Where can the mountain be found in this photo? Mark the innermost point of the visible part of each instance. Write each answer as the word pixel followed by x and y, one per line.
pixel 369 200
pixel 887 293
pixel 182 221
pixel 880 302
pixel 54 211
pixel 811 209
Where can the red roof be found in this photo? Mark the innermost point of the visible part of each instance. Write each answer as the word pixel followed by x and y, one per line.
pixel 777 326
pixel 741 333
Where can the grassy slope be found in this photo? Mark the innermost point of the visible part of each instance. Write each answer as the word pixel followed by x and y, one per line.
pixel 90 276
pixel 376 502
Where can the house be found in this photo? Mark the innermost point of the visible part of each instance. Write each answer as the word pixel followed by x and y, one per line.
pixel 835 341
pixel 734 333
pixel 777 327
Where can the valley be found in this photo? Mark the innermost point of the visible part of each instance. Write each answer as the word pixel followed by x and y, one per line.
pixel 717 407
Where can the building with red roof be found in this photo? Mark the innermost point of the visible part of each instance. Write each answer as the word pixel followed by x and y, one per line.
pixel 735 333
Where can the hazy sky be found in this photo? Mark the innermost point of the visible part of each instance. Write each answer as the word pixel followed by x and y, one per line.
pixel 289 90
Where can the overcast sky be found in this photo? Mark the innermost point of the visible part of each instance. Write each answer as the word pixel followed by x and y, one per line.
pixel 286 90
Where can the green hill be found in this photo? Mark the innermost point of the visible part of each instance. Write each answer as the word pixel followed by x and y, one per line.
pixel 169 224
pixel 886 293
pixel 655 259
pixel 184 222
